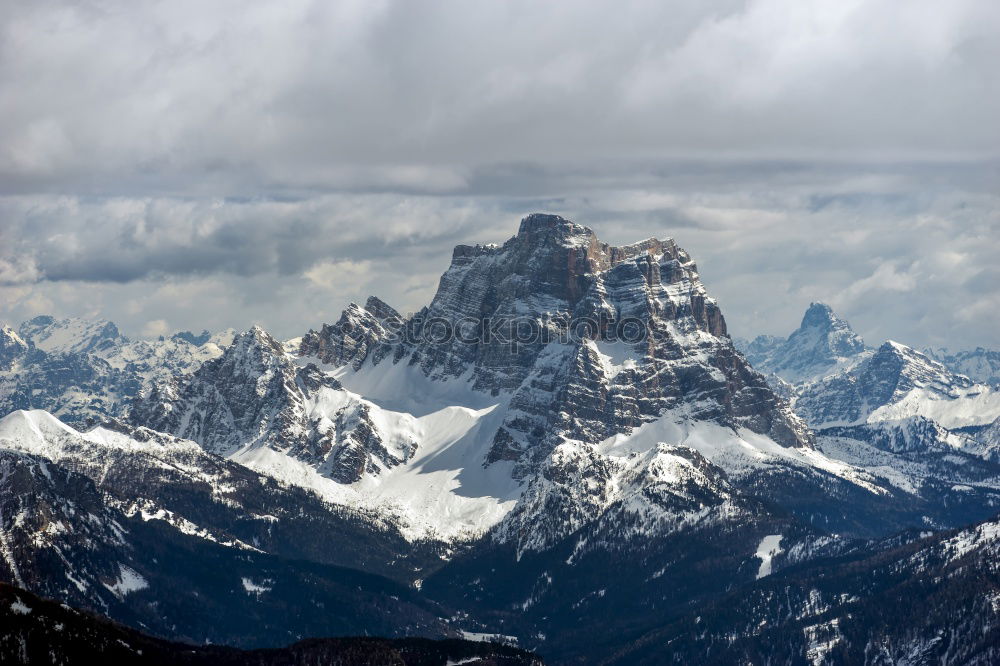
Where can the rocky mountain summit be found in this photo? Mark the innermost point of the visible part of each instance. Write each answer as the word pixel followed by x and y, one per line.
pixel 822 345
pixel 892 411
pixel 894 382
pixel 358 330
pixel 532 352
pixel 587 340
pixel 833 379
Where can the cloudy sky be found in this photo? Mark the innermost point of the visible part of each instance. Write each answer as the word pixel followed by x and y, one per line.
pixel 186 165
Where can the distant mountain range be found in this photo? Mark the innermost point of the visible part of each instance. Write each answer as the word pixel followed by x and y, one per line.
pixel 564 450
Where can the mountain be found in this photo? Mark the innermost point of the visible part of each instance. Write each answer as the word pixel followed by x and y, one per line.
pixel 157 477
pixel 561 409
pixel 79 387
pixel 37 630
pixel 61 538
pixel 413 424
pixel 823 344
pixel 900 416
pixel 897 382
pixel 261 408
pixel 917 599
pixel 85 371
pixel 834 380
pixel 358 330
pixel 72 335
pixel 980 365
pixel 564 447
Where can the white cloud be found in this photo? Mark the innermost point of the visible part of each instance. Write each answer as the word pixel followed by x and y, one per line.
pixel 155 328
pixel 342 277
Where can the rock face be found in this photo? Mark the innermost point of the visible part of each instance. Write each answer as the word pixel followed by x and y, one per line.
pixel 588 340
pixel 254 396
pixel 358 330
pixel 12 347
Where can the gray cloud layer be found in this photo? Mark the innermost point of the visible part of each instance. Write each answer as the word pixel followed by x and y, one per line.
pixel 179 165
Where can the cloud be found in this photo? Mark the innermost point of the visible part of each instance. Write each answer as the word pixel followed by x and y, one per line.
pixel 341 276
pixel 243 98
pixel 155 328
pixel 15 270
pixel 886 278
pixel 212 165
pixel 901 255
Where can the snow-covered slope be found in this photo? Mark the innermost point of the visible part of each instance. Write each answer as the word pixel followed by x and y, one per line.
pixel 157 477
pixel 71 335
pixel 441 491
pixel 61 539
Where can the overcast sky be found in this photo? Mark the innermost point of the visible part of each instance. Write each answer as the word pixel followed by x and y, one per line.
pixel 187 165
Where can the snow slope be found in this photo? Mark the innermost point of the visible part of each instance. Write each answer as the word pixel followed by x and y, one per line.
pixel 442 492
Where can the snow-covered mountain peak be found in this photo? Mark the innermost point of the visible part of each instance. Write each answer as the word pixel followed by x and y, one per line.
pixel 71 335
pixel 30 427
pixel 8 336
pixel 85 371
pixel 916 369
pixel 822 345
pixel 353 336
pixel 540 228
pixel 396 395
pixel 820 315
pixel 255 342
